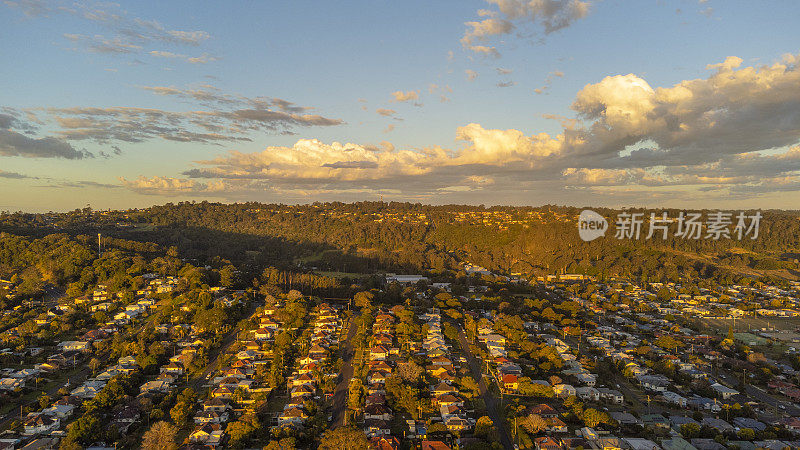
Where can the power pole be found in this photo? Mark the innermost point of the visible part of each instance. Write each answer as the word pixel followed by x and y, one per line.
pixel 99 250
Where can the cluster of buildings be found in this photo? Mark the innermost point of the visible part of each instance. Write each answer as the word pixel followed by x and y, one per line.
pixel 304 383
pixel 235 387
pixel 382 361
pixel 442 369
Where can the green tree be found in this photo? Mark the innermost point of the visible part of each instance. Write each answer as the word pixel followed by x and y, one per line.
pixel 690 430
pixel 483 427
pixel 344 438
pixel 363 299
pixel 242 431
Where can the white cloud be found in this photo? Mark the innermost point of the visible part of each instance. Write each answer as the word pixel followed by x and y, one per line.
pixel 169 186
pixel 202 59
pixel 385 112
pixel 736 131
pixel 482 30
pixel 407 96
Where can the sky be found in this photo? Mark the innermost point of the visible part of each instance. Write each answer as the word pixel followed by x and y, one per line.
pixel 681 104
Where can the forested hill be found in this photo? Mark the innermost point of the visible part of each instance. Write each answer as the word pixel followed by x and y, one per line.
pixel 374 236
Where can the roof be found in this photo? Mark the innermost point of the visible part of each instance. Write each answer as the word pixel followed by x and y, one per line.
pixel 434 445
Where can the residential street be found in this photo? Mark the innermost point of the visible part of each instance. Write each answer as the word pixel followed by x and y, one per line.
pixel 341 391
pixel 492 403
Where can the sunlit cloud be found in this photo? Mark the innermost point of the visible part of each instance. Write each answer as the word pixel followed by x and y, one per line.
pixel 739 124
pixel 549 15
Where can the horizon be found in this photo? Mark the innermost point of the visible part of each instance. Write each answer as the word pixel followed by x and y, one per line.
pixel 688 104
pixel 435 205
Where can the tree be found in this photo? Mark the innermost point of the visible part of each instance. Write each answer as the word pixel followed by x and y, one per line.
pixel 160 436
pixel 241 431
pixel 592 417
pixel 690 430
pixel 344 438
pixel 84 430
pixel 363 299
pixel 180 413
pixel 287 443
pixel 483 426
pixel 668 343
pixel 437 427
pixel 44 400
pixel 664 294
pixel 534 423
pixel 746 434
pixel 410 371
pixel 94 364
pixel 469 383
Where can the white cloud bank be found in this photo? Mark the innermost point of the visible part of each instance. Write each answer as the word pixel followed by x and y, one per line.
pixel 737 130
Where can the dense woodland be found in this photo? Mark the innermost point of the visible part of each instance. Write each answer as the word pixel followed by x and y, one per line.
pixel 370 237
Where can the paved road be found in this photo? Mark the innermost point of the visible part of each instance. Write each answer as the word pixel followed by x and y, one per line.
pixel 762 396
pixel 227 341
pixel 340 394
pixel 492 403
pixel 75 380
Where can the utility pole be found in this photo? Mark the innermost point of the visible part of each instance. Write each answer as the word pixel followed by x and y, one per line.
pixel 99 249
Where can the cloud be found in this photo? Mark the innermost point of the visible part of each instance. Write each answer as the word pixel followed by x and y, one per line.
pixel 732 111
pixel 16 144
pixel 188 37
pixel 548 81
pixel 603 177
pixel 471 74
pixel 223 118
pixel 129 35
pixel 551 15
pixel 502 71
pixel 13 143
pixel 735 132
pixel 482 30
pixel 209 95
pixel 205 94
pixel 407 96
pixel 386 112
pixel 81 184
pixel 203 59
pixel 101 44
pixel 310 161
pixel 503 84
pixel 168 186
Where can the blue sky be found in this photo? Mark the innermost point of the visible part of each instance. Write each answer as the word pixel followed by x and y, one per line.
pixel 496 102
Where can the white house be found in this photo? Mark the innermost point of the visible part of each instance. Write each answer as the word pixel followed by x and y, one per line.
pixel 587 378
pixel 564 390
pixel 41 424
pixel 588 393
pixel 724 391
pixel 674 398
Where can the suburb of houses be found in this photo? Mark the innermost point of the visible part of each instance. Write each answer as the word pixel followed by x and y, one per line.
pixel 482 361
